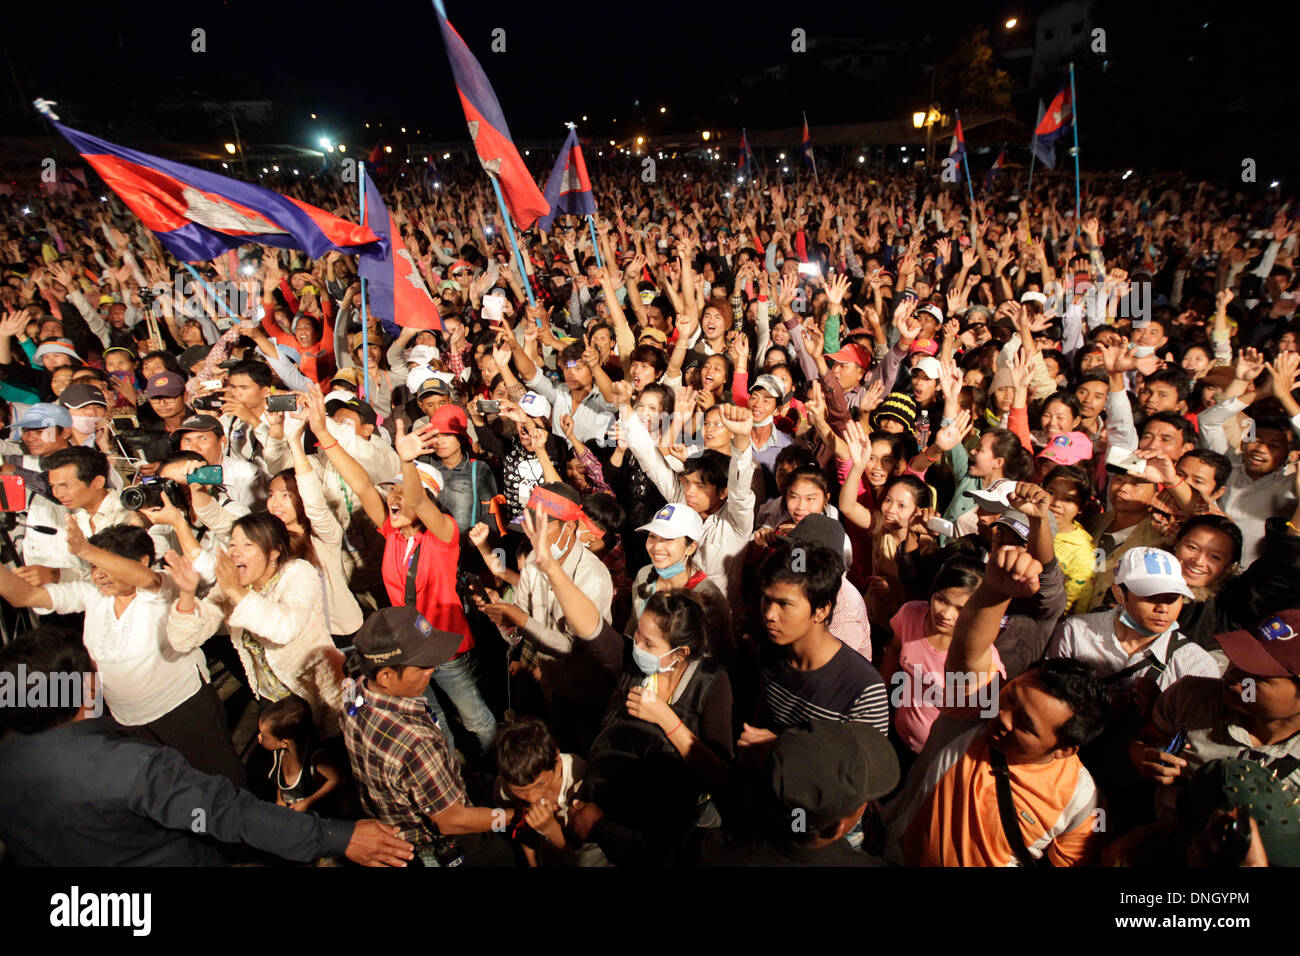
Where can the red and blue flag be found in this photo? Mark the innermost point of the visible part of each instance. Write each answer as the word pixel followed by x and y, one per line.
pixel 747 166
pixel 487 128
pixel 805 147
pixel 957 149
pixel 1053 123
pixel 998 166
pixel 395 289
pixel 568 190
pixel 198 215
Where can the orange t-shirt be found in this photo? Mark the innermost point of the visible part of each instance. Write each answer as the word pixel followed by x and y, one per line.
pixel 948 813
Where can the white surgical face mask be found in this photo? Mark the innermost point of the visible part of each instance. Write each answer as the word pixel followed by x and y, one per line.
pixel 84 424
pixel 763 423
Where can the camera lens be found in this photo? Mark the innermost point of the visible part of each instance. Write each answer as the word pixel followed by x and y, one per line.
pixel 132 498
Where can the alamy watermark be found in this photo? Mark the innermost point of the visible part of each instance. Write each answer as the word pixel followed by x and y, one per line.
pixel 59 690
pixel 952 690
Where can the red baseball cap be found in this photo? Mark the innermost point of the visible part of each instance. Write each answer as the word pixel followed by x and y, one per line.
pixel 852 354
pixel 1271 650
pixel 449 420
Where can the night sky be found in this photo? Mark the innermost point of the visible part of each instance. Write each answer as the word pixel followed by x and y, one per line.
pixel 1175 93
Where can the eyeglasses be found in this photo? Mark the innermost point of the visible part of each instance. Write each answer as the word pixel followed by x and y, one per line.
pixel 461 272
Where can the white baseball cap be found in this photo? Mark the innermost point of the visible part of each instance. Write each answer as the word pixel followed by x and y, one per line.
pixel 996 498
pixel 676 521
pixel 1148 571
pixel 421 355
pixel 1034 297
pixel 535 406
pixel 416 378
pixel 929 367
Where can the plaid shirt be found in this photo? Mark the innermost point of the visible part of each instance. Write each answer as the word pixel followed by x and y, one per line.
pixel 398 756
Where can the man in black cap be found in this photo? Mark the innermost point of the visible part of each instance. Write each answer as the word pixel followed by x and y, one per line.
pixel 406 775
pixel 245 483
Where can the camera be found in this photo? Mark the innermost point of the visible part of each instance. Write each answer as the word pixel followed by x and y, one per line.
pixel 152 493
pixel 144 444
pixel 287 402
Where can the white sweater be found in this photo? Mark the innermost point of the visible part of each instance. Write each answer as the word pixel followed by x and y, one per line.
pixel 289 622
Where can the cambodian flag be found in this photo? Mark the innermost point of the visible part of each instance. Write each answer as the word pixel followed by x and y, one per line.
pixel 487 128
pixel 568 190
pixel 396 290
pixel 805 147
pixel 999 164
pixel 198 215
pixel 957 149
pixel 746 165
pixel 1053 123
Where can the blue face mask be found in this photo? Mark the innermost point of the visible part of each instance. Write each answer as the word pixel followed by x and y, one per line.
pixel 648 663
pixel 672 570
pixel 1127 620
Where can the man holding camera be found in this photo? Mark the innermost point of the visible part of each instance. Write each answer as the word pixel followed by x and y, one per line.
pixel 244 482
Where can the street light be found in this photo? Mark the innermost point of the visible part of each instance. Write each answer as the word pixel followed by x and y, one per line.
pixel 230 148
pixel 663 109
pixel 918 119
pixel 389 149
pixel 1011 23
pixel 705 135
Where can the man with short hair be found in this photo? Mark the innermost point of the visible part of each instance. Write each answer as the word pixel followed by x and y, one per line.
pixel 166 395
pixel 243 415
pixel 79 482
pixel 1020 768
pixel 806 672
pixel 244 482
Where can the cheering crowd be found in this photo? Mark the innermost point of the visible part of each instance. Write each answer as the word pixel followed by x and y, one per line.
pixel 827 522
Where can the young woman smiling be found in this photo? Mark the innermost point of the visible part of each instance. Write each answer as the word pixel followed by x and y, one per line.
pixel 274 606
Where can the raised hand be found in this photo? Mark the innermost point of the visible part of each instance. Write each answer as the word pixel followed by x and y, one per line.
pixel 738 420
pixel 1013 573
pixel 873 396
pixel 412 446
pixel 1031 500
pixel 951 435
pixel 182 571
pixel 1249 365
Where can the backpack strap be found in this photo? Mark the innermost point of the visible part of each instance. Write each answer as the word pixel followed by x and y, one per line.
pixel 473 484
pixel 1151 662
pixel 1007 813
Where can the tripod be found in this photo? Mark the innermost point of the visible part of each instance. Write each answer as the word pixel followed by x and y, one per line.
pixel 13 621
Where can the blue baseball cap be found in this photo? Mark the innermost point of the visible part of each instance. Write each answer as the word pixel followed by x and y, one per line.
pixel 44 415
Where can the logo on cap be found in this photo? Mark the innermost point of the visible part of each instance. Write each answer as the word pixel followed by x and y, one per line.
pixel 665 513
pixel 423 626
pixel 1276 629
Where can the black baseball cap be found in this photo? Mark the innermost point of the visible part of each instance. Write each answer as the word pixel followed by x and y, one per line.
pixel 819 529
pixel 363 409
pixel 80 395
pixel 828 769
pixel 194 355
pixel 401 637
pixel 202 423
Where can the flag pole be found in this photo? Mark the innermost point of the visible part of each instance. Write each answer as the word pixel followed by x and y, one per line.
pixel 1033 153
pixel 365 322
pixel 1074 117
pixel 211 293
pixel 970 187
pixel 510 231
pixel 595 245
pixel 811 158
